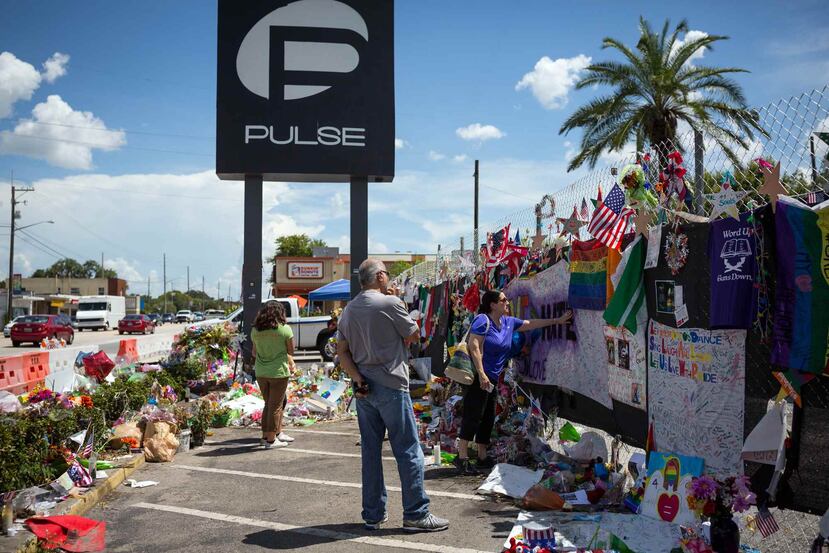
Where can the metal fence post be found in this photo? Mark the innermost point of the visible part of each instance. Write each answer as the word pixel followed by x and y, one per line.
pixel 699 172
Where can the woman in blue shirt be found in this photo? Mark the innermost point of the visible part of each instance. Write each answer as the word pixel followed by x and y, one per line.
pixel 490 341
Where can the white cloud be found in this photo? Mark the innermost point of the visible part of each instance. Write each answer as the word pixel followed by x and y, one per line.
pixel 279 224
pixel 22 264
pixel 479 132
pixel 460 158
pixel 338 205
pixel 18 81
pixel 126 269
pixel 61 135
pixel 435 156
pixel 399 144
pixel 55 67
pixel 551 80
pixel 690 36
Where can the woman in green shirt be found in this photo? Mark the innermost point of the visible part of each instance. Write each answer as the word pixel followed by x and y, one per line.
pixel 273 350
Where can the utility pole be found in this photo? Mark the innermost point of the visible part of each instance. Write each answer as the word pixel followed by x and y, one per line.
pixel 188 279
pixel 103 273
pixel 219 289
pixel 476 246
pixel 9 285
pixel 202 293
pixel 14 216
pixel 148 288
pixel 164 273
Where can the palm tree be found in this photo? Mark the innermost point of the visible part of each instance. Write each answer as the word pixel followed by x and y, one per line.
pixel 655 89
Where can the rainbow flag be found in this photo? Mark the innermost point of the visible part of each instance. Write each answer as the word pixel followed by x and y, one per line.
pixel 801 319
pixel 588 275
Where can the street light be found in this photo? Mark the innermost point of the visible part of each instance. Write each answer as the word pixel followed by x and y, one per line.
pixel 9 291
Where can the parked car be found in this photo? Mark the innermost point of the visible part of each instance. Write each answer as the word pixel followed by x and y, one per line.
pixel 155 318
pixel 168 318
pixel 136 323
pixel 198 316
pixel 184 316
pixel 7 330
pixel 34 328
pixel 309 332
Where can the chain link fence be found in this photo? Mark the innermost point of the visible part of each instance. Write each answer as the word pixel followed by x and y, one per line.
pixel 793 137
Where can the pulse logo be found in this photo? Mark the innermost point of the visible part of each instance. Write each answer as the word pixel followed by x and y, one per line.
pixel 305 47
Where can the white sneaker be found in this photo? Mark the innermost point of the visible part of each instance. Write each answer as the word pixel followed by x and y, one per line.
pixel 276 444
pixel 284 437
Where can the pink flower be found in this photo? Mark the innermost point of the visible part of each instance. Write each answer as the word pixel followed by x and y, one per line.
pixel 704 487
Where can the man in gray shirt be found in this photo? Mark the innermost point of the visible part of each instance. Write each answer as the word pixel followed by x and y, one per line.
pixel 373 332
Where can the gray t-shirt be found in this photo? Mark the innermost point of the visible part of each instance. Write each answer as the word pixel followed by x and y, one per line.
pixel 374 325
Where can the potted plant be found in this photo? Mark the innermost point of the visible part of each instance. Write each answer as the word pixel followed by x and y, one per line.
pixel 202 415
pixel 718 500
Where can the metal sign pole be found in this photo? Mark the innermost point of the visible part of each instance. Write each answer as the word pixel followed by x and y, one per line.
pixel 252 261
pixel 359 229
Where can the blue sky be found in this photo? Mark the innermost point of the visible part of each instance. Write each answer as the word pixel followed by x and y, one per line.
pixel 148 70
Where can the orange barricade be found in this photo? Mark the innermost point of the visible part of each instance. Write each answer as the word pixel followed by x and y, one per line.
pixel 12 376
pixel 128 351
pixel 35 368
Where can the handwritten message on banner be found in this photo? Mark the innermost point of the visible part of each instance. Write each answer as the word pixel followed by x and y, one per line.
pixel 697 390
pixel 571 355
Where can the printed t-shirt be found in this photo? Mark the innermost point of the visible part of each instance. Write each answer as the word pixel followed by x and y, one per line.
pixel 732 247
pixel 497 342
pixel 272 351
pixel 374 325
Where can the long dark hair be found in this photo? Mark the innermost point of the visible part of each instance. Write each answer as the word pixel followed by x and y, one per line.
pixel 490 297
pixel 270 316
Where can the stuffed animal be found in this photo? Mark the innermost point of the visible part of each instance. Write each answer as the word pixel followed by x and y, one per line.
pixel 632 179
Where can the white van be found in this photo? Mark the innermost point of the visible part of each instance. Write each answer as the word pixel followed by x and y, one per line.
pixel 100 312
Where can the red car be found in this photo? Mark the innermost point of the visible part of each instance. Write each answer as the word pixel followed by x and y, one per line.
pixel 136 323
pixel 34 328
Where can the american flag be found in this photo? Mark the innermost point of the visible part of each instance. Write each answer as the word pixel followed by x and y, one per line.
pixel 811 198
pixel 766 523
pixel 611 219
pixel 89 442
pixel 544 537
pixel 584 213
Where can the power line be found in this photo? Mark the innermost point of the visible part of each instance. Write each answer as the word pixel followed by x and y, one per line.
pixel 47 246
pixel 41 248
pixel 154 194
pixel 42 239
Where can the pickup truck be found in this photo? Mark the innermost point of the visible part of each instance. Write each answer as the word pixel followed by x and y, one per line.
pixel 309 332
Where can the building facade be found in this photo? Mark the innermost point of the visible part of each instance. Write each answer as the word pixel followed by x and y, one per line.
pixel 56 295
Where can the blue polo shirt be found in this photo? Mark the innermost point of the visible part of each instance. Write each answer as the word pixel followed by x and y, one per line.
pixel 497 342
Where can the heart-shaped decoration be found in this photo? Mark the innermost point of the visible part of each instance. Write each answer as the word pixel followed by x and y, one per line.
pixel 668 506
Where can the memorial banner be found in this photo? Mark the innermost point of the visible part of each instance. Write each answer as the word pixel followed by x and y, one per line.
pixel 696 384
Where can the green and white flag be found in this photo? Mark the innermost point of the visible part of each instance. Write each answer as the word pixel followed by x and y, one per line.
pixel 629 295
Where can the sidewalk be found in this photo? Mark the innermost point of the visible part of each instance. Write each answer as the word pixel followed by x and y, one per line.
pixel 231 495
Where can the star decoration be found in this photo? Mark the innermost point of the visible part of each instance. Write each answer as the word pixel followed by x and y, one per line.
pixel 771 185
pixel 641 222
pixel 725 201
pixel 538 240
pixel 572 224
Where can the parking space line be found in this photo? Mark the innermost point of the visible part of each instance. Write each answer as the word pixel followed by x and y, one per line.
pixel 317 482
pixel 292 449
pixel 324 432
pixel 309 531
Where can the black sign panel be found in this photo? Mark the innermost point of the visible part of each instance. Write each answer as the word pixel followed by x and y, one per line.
pixel 305 90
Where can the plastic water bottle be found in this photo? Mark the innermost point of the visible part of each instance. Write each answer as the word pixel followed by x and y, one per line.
pixel 436 451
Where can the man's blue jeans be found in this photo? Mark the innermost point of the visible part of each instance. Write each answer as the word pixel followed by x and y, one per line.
pixel 385 408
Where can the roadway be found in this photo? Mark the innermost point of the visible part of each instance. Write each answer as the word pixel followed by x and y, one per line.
pixel 86 338
pixel 232 495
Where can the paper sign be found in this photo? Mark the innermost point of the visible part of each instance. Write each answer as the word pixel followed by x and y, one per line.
pixel 681 315
pixel 579 497
pixel 652 255
pixel 679 298
pixel 64 483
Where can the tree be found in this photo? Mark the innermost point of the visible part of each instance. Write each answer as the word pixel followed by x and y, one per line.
pixel 297 245
pixel 70 268
pixel 656 88
pixel 398 267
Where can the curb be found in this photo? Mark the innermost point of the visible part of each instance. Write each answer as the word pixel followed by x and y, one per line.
pixel 84 504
